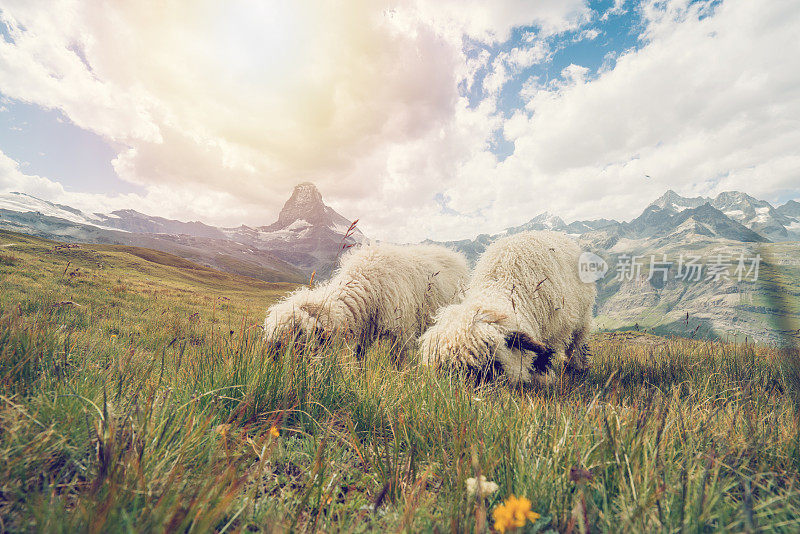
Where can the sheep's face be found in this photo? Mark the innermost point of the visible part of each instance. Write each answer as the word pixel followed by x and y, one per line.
pixel 462 337
pixel 483 341
pixel 524 360
pixel 299 323
pixel 286 326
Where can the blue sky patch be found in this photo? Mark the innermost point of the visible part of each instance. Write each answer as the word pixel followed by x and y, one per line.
pixel 594 45
pixel 46 143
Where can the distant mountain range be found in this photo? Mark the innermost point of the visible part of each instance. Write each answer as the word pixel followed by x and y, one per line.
pixel 731 215
pixel 308 236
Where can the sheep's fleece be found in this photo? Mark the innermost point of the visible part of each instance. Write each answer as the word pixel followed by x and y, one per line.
pixel 378 290
pixel 525 304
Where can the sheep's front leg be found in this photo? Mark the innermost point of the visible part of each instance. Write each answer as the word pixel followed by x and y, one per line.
pixel 546 379
pixel 399 356
pixel 578 352
pixel 398 349
pixel 361 350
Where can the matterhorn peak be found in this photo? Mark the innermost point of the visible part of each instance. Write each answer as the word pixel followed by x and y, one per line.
pixel 305 208
pixel 304 204
pixel 306 192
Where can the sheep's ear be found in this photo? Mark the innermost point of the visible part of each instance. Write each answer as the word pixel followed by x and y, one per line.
pixel 490 316
pixel 314 310
pixel 522 341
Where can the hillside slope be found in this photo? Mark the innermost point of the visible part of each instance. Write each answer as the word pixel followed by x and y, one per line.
pixel 308 236
pixel 222 254
pixel 96 268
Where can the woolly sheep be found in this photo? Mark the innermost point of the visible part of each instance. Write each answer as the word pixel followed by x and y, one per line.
pixel 378 291
pixel 524 305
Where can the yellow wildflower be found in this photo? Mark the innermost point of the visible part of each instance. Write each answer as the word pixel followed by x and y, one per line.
pixel 513 513
pixel 274 432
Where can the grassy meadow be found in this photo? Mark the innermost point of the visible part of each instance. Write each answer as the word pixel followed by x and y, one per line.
pixel 136 395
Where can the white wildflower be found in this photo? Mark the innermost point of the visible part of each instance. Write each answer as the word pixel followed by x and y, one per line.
pixel 481 486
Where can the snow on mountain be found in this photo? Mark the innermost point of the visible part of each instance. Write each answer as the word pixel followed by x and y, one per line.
pixel 306 204
pixel 673 226
pixel 20 202
pixel 308 235
pixel 311 235
pixel 757 215
pixel 791 210
pixel 543 221
pixel 299 224
pixel 711 222
pixel 674 203
pixel 133 221
pixel 670 217
pixel 661 221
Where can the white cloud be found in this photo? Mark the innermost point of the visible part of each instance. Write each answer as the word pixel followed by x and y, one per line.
pixel 574 74
pixel 475 65
pixel 13 179
pixel 364 102
pixel 705 105
pixel 246 99
pixel 245 113
pixel 492 21
pixel 524 57
pixel 617 9
pixel 589 34
pixel 507 65
pixel 40 66
pixel 498 77
pixel 182 201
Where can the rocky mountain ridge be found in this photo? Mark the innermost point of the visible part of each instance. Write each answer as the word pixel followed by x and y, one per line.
pixel 307 237
pixel 731 215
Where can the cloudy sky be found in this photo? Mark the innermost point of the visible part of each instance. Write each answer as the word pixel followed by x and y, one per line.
pixel 422 118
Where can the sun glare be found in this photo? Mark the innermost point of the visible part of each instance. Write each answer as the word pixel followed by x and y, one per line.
pixel 258 42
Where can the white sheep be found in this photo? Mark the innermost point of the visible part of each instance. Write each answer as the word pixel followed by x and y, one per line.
pixel 524 305
pixel 379 291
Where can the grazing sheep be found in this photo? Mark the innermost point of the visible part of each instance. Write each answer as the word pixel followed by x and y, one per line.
pixel 525 304
pixel 378 291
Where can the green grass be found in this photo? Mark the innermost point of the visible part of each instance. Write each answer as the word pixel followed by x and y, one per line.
pixel 139 396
